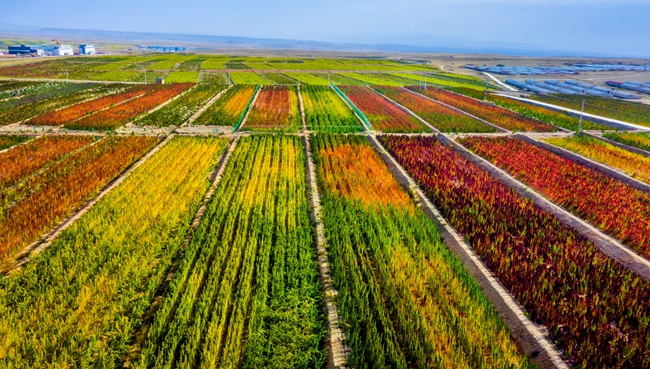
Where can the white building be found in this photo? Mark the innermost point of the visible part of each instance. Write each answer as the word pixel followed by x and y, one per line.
pixel 86 49
pixel 59 50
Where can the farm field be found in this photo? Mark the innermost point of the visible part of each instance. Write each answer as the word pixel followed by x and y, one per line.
pixel 181 109
pixel 305 212
pixel 215 78
pixel 58 117
pixel 308 79
pixel 551 117
pixel 9 141
pixel 37 202
pixel 612 108
pixel 121 114
pixel 182 77
pixel 116 75
pixel 149 77
pixel 340 80
pixel 545 115
pixel 248 280
pixel 635 165
pixel 248 78
pixel 401 290
pixel 213 63
pixel 275 109
pixel 17 110
pixel 585 299
pixel 383 115
pixel 616 208
pixel 279 79
pixel 372 79
pixel 229 110
pixel 501 117
pixel 441 117
pixel 18 93
pixel 443 81
pixel 107 265
pixel 326 112
pixel 638 140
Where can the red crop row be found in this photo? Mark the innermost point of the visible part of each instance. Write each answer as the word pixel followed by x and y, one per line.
pixel 59 117
pixel 616 208
pixel 597 312
pixel 501 117
pixel 121 114
pixel 383 115
pixel 275 107
pixel 45 199
pixel 441 117
pixel 27 159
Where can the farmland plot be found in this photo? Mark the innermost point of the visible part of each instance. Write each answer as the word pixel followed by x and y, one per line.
pixel 276 109
pixel 229 110
pixel 80 301
pixel 179 110
pixel 9 141
pixel 123 113
pixel 635 165
pixel 38 202
pixel 404 298
pixel 246 293
pixel 639 140
pixel 59 117
pixel 596 311
pixel 614 207
pixel 325 111
pixel 441 117
pixel 383 115
pixel 496 115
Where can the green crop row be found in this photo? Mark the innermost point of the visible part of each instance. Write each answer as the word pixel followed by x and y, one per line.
pixel 246 293
pixel 325 111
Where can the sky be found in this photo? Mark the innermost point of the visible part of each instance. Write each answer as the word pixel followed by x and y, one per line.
pixel 591 26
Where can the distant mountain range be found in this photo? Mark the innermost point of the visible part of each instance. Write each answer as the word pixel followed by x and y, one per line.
pixel 234 42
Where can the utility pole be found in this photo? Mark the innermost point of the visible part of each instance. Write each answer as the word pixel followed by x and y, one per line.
pixel 145 76
pixel 425 81
pixel 581 113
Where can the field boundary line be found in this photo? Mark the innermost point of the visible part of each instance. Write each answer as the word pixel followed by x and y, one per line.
pixel 605 169
pixel 205 107
pixel 406 110
pixel 337 350
pixel 623 146
pixel 247 110
pixel 529 338
pixel 302 109
pixel 498 128
pixel 608 245
pixel 25 255
pixel 140 335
